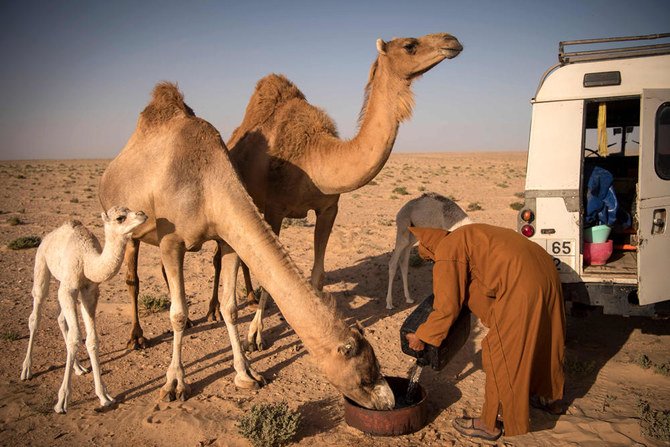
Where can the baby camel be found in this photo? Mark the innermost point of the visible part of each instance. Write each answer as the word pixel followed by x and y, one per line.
pixel 72 255
pixel 430 210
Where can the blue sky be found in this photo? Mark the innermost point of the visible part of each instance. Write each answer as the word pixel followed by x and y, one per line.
pixel 75 74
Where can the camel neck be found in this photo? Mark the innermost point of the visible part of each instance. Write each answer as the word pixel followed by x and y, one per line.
pixel 100 266
pixel 239 223
pixel 348 165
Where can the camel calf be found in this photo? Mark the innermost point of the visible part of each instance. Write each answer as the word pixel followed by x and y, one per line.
pixel 72 255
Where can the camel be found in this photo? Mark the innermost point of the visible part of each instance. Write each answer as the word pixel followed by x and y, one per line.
pixel 291 159
pixel 73 256
pixel 176 167
pixel 430 210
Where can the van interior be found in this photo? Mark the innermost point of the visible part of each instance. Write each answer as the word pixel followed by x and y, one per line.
pixel 610 179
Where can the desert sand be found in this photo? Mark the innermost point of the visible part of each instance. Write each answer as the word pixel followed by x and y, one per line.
pixel 605 379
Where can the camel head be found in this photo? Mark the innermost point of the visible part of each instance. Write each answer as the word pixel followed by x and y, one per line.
pixel 353 369
pixel 121 221
pixel 409 57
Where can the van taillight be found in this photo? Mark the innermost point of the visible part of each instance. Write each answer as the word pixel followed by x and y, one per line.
pixel 527 230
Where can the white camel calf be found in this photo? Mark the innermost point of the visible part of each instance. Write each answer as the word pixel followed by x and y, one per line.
pixel 72 255
pixel 431 210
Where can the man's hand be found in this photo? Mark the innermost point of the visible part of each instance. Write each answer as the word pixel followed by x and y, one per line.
pixel 415 342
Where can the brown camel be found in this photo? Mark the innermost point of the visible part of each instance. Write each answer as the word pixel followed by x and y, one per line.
pixel 176 168
pixel 290 157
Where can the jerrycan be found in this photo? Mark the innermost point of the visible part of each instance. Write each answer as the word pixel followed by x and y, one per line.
pixel 435 356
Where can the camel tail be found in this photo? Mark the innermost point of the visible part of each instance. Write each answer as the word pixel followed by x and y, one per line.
pixel 166 103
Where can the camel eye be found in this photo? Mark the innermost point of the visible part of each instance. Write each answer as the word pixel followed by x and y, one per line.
pixel 121 219
pixel 410 47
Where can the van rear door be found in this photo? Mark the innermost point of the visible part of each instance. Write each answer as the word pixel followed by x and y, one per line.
pixel 654 197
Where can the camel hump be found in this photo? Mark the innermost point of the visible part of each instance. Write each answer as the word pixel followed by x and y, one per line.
pixel 166 102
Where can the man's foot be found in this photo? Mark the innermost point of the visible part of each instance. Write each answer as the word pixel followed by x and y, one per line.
pixel 555 407
pixel 475 428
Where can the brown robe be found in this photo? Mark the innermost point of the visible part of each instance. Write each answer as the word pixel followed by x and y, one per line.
pixel 512 286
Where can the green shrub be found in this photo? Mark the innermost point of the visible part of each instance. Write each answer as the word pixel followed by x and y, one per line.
pixel 644 361
pixel 13 221
pixel 25 242
pixel 269 425
pixel 400 190
pixel 155 303
pixel 516 206
pixel 654 423
pixel 290 222
pixel 475 206
pixel 10 336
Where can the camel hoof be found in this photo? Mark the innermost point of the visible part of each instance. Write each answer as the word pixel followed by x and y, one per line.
pixel 389 306
pixel 166 395
pixel 409 300
pixel 60 409
pixel 182 393
pixel 246 383
pixel 214 315
pixel 26 374
pixel 135 344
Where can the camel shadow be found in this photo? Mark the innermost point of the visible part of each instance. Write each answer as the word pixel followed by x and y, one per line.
pixel 319 417
pixel 368 278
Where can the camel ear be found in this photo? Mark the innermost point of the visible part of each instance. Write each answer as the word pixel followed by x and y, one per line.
pixel 381 46
pixel 104 217
pixel 349 348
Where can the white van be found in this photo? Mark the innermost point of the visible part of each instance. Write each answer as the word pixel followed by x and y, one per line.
pixel 601 125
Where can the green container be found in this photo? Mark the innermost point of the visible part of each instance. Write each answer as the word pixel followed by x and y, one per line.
pixel 597 234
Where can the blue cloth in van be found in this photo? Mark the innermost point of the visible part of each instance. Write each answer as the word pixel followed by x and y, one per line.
pixel 602 206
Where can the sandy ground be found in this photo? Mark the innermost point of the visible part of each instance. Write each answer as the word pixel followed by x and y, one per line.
pixel 605 382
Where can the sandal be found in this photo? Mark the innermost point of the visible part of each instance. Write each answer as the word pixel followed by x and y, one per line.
pixel 466 427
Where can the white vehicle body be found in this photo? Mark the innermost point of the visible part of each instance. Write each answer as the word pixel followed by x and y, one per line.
pixel 608 108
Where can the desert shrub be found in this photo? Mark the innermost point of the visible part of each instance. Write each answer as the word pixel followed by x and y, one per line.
pixel 516 206
pixel 290 222
pixel 520 195
pixel 654 423
pixel 415 260
pixel 474 206
pixel 25 242
pixel 74 200
pixel 502 185
pixel 577 367
pixel 400 190
pixel 153 303
pixel 10 336
pixel 372 183
pixel 422 188
pixel 269 425
pixel 13 221
pixel 644 361
pixel 663 368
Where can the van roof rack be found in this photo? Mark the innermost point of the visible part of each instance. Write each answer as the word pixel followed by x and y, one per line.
pixel 616 52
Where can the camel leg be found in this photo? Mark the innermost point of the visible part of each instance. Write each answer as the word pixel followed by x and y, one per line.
pixel 62 324
pixel 137 340
pixel 89 302
pixel 324 225
pixel 172 255
pixel 245 376
pixel 251 296
pixel 255 335
pixel 404 267
pixel 67 297
pixel 214 312
pixel 41 279
pixel 404 264
pixel 393 266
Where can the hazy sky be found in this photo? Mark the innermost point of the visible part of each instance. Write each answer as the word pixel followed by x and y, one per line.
pixel 75 74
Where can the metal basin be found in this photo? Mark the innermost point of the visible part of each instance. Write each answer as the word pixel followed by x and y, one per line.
pixel 399 421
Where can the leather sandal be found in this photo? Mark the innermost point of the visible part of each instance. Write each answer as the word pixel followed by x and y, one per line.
pixel 466 427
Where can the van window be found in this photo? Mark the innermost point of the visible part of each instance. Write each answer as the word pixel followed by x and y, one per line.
pixel 619 120
pixel 662 146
